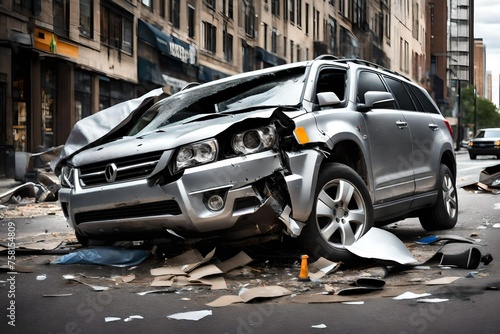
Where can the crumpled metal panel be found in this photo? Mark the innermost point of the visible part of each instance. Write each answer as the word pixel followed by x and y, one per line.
pixel 99 125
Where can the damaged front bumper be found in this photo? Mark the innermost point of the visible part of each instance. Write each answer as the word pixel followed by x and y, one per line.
pixel 238 186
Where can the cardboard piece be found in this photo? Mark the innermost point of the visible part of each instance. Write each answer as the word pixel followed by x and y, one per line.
pixel 322 267
pixel 168 271
pixel 239 260
pixel 166 281
pixel 204 271
pixel 189 267
pixel 225 301
pixel 264 292
pixel 194 315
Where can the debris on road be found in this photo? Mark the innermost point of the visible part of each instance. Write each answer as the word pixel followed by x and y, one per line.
pixel 193 315
pixel 111 256
pixel 489 181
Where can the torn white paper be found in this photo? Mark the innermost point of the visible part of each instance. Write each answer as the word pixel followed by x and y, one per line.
pixel 411 295
pixel 110 319
pixel 194 315
pixel 319 326
pixel 432 300
pixel 132 317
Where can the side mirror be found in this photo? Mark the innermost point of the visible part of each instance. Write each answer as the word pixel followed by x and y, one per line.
pixel 375 99
pixel 327 99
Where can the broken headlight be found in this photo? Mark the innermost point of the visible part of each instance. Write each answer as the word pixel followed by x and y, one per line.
pixel 66 176
pixel 254 140
pixel 195 154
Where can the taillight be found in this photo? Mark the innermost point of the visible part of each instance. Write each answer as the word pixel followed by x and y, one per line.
pixel 449 127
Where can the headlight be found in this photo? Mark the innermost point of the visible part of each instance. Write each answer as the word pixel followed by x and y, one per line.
pixel 66 176
pixel 195 154
pixel 497 143
pixel 255 140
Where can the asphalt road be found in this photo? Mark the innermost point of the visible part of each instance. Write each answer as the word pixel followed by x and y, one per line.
pixel 472 304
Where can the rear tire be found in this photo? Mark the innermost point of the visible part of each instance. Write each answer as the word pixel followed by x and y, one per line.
pixel 342 213
pixel 443 214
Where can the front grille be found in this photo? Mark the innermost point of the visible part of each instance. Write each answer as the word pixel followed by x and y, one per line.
pixel 135 211
pixel 129 168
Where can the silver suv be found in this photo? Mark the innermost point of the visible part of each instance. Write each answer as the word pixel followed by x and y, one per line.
pixel 319 150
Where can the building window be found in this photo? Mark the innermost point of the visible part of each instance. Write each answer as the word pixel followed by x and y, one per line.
pixel 299 58
pixel 148 3
pixel 299 13
pixel 174 13
pixel 191 21
pixel 116 29
pixel 291 9
pixel 275 7
pixel 112 92
pixel 264 34
pixel 83 94
pixel 274 41
pixel 23 6
pixel 227 8
pixel 60 10
pixel 249 11
pixel 209 37
pixel 227 41
pixel 210 3
pixel 49 99
pixel 285 46
pixel 86 21
pixel 162 8
pixel 307 19
pixel 291 51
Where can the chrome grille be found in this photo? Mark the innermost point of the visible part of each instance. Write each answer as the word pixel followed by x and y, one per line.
pixel 125 169
pixel 134 211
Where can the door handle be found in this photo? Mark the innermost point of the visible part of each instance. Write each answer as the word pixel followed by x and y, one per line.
pixel 401 124
pixel 433 126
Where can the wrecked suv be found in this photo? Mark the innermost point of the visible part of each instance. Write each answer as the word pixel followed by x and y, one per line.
pixel 319 150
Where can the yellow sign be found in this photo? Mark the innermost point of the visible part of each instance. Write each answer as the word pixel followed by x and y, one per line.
pixel 49 42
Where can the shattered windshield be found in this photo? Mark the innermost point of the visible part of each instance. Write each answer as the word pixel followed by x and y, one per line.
pixel 273 89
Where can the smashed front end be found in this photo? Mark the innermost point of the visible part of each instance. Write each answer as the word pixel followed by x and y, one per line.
pixel 215 160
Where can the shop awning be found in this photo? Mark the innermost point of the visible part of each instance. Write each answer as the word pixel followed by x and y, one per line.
pixel 148 71
pixel 206 74
pixel 166 44
pixel 268 57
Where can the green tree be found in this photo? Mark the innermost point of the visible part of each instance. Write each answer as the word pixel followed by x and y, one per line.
pixel 487 114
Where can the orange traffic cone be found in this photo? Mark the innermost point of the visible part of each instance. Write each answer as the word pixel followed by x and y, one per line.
pixel 304 273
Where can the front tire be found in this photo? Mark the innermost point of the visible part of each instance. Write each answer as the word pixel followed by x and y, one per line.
pixel 342 213
pixel 443 214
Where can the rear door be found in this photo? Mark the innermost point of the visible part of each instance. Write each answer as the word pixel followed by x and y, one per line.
pixel 426 136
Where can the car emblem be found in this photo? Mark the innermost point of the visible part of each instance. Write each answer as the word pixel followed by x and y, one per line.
pixel 110 172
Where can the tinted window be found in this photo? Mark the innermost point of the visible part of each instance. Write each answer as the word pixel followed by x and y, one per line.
pixel 400 94
pixel 425 99
pixel 414 97
pixel 369 81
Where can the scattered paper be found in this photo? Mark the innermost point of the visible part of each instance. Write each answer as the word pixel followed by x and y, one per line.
pixel 58 295
pixel 41 277
pixel 155 291
pixel 194 315
pixel 225 301
pixel 110 319
pixel 264 292
pixel 442 280
pixel 322 267
pixel 239 260
pixel 132 317
pixel 411 295
pixel 123 279
pixel 431 300
pixel 319 326
pixel 204 271
pixel 354 303
pixel 496 225
pixel 167 271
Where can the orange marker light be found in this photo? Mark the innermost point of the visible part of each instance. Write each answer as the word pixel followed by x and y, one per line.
pixel 301 135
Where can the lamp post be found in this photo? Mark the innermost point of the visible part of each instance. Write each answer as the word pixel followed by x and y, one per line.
pixel 475 112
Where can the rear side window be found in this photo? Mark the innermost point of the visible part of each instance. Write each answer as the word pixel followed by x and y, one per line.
pixel 400 94
pixel 369 81
pixel 425 100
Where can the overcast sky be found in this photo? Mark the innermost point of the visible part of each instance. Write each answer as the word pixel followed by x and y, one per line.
pixel 487 27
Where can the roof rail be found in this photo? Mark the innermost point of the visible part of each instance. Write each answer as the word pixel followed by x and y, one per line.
pixel 326 57
pixel 371 64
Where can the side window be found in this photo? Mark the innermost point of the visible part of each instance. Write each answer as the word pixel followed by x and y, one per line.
pixel 414 97
pixel 332 80
pixel 368 81
pixel 425 99
pixel 400 94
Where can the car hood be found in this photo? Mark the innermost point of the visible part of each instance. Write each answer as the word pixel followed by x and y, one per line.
pixel 169 137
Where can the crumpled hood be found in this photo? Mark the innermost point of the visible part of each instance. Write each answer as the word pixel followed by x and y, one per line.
pixel 166 138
